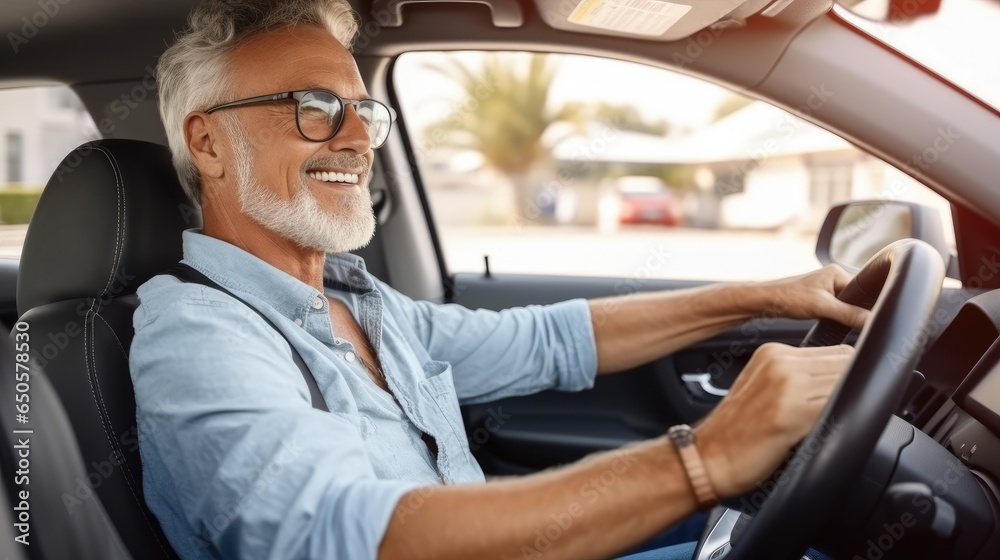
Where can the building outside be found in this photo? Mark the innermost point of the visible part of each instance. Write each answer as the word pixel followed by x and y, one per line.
pixel 38 127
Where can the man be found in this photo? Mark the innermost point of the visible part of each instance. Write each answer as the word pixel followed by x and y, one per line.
pixel 238 464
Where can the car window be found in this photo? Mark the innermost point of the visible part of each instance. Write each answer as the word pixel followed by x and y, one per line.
pixel 39 126
pixel 576 165
pixel 959 41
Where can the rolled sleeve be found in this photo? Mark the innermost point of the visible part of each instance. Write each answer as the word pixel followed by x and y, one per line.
pixel 508 353
pixel 230 442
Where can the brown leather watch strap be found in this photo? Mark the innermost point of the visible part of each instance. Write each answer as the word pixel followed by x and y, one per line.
pixel 683 439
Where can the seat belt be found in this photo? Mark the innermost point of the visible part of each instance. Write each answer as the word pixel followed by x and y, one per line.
pixel 188 274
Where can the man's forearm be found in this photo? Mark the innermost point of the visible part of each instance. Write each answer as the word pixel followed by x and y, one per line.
pixel 637 329
pixel 595 508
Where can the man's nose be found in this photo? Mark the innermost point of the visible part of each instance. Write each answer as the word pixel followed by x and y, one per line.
pixel 353 134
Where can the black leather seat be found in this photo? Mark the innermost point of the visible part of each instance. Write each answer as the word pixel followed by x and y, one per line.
pixel 64 518
pixel 109 219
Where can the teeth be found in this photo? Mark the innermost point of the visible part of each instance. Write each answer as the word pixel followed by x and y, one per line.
pixel 328 177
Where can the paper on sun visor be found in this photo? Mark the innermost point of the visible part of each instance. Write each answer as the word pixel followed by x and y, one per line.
pixel 642 17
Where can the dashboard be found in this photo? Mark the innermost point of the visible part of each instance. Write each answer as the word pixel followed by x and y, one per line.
pixel 979 394
pixel 936 467
pixel 959 403
pixel 958 407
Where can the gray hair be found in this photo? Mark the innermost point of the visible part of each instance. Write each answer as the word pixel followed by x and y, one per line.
pixel 193 74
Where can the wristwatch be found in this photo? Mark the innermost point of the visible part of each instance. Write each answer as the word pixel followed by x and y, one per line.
pixel 683 439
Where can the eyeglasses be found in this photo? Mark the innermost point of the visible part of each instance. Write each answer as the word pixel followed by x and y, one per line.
pixel 320 113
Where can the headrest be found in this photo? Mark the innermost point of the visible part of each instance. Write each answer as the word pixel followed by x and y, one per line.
pixel 109 219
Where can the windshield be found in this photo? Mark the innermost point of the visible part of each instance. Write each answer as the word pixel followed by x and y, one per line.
pixel 960 42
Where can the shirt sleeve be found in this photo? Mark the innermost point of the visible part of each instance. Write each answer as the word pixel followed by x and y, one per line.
pixel 508 353
pixel 231 444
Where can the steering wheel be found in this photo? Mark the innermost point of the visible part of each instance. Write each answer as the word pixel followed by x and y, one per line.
pixel 901 285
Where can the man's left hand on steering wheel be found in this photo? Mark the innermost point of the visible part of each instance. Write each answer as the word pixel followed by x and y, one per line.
pixel 814 296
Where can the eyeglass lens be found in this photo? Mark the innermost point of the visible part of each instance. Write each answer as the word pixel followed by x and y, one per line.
pixel 320 115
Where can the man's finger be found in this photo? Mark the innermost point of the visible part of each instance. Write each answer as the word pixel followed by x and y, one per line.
pixel 841 279
pixel 807 353
pixel 847 314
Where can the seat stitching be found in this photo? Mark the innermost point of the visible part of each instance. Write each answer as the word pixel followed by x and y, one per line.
pixel 119 230
pixel 117 340
pixel 102 412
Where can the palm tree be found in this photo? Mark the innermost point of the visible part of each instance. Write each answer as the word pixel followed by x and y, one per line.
pixel 503 116
pixel 506 111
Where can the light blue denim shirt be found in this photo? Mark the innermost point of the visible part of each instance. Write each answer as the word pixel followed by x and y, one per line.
pixel 237 463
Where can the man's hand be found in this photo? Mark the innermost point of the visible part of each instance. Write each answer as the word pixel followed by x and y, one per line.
pixel 814 296
pixel 771 407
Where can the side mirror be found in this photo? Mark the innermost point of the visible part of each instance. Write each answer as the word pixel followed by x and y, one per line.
pixel 853 232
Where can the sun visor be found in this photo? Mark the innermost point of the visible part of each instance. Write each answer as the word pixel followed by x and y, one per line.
pixel 660 20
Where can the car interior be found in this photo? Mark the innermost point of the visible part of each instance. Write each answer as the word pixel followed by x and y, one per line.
pixel 919 423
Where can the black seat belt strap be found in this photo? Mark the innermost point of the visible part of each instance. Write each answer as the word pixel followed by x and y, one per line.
pixel 186 273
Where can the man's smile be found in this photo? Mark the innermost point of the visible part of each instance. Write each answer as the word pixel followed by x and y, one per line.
pixel 334 177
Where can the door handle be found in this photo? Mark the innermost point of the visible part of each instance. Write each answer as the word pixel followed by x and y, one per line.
pixel 702 388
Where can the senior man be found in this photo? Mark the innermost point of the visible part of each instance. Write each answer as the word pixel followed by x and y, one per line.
pixel 273 132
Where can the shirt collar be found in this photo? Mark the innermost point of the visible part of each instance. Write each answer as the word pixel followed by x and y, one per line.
pixel 241 271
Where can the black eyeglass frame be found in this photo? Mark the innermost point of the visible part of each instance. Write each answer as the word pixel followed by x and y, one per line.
pixel 297 97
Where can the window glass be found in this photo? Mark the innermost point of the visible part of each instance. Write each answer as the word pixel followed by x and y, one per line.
pixel 15 157
pixel 39 126
pixel 958 42
pixel 568 164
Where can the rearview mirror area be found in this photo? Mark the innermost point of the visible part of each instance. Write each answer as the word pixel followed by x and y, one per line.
pixel 855 231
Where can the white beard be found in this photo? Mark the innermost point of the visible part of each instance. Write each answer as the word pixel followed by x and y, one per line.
pixel 302 220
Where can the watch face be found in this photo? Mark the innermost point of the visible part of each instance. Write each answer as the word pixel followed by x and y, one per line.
pixel 682 436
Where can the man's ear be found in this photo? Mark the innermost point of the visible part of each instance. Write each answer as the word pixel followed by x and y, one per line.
pixel 202 142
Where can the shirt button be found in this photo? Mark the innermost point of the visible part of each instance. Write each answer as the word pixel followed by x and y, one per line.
pixel 298 322
pixel 318 303
pixel 349 356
